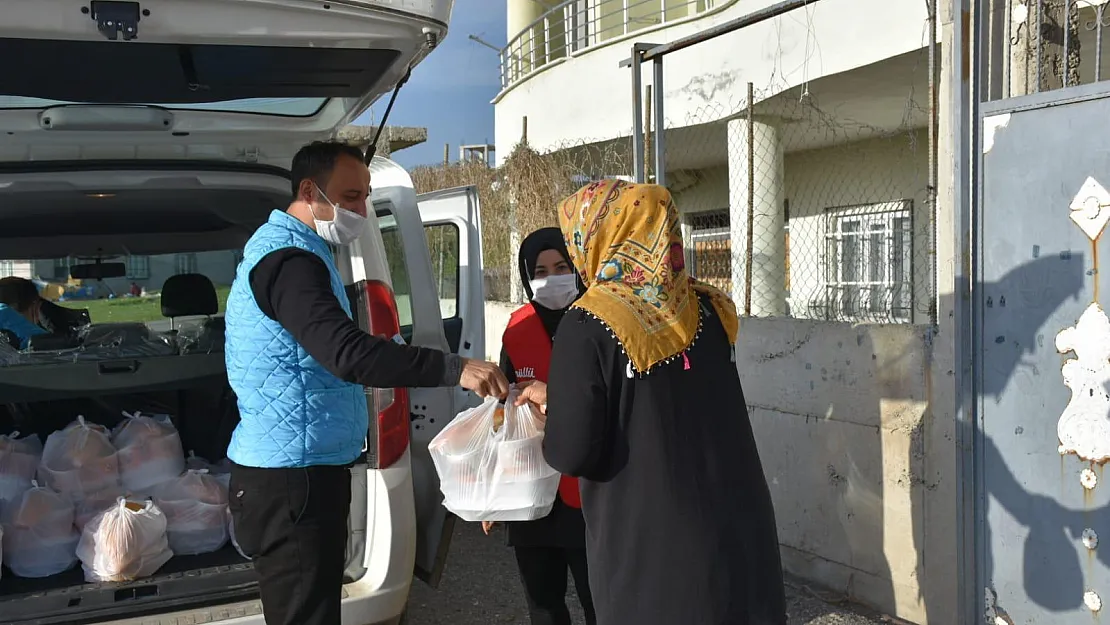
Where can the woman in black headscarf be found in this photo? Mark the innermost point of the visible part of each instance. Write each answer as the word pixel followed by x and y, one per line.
pixel 546 548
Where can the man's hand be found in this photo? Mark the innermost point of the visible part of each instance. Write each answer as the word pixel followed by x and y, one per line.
pixel 535 392
pixel 487 526
pixel 484 378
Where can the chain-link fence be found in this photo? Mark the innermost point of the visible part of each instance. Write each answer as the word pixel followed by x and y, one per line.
pixel 801 211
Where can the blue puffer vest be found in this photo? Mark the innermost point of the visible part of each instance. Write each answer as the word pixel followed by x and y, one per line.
pixel 17 324
pixel 295 413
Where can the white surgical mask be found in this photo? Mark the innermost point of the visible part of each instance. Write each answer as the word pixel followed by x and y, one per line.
pixel 555 292
pixel 344 227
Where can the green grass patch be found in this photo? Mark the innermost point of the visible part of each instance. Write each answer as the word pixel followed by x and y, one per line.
pixel 132 309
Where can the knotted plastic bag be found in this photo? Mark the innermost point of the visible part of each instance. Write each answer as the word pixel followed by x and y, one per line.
pixel 124 543
pixel 491 466
pixel 149 451
pixel 195 506
pixel 79 460
pixel 19 459
pixel 39 539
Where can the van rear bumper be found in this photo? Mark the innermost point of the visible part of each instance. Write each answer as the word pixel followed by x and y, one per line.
pixel 380 607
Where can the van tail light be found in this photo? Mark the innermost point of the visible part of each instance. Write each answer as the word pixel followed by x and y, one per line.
pixel 388 436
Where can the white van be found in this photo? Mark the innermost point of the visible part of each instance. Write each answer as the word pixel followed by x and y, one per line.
pixel 141 140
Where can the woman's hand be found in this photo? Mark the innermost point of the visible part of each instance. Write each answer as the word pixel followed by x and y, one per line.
pixel 535 392
pixel 487 526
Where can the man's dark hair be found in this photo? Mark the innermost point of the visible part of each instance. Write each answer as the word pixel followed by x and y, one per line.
pixel 316 161
pixel 19 293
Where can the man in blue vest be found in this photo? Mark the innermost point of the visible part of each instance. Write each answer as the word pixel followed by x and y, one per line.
pixel 298 364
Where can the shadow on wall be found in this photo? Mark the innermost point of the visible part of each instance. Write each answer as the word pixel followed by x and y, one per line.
pixel 862 475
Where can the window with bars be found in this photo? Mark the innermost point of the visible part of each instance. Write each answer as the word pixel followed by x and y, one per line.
pixel 7 268
pixel 186 263
pixel 868 264
pixel 138 267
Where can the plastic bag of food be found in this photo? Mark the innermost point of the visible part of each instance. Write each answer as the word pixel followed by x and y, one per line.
pixel 491 466
pixel 95 503
pixel 39 538
pixel 149 451
pixel 19 459
pixel 195 506
pixel 125 542
pixel 79 460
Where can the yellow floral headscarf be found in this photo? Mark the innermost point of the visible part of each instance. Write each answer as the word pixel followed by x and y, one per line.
pixel 625 243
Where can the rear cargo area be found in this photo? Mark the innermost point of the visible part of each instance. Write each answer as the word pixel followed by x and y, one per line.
pixel 86 411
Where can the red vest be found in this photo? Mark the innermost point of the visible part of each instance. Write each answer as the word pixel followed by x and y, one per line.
pixel 529 348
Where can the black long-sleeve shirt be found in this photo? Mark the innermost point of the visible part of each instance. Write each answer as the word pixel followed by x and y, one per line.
pixel 293 287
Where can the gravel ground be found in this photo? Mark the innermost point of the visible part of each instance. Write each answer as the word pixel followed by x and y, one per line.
pixel 480 586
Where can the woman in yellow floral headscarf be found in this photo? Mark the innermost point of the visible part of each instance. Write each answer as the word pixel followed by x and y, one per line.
pixel 646 407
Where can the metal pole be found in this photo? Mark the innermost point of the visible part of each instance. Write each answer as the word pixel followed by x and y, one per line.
pixel 660 144
pixel 637 123
pixel 647 132
pixel 723 28
pixel 751 203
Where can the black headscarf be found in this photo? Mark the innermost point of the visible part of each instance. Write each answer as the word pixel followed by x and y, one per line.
pixel 530 249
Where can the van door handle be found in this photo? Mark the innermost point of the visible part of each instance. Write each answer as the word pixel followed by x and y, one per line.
pixel 112 368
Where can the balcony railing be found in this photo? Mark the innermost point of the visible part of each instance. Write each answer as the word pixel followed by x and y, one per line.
pixel 575 25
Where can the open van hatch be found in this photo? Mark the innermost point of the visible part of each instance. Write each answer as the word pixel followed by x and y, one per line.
pixel 270 74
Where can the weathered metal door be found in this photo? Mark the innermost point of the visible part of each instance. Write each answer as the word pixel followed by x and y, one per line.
pixel 1044 374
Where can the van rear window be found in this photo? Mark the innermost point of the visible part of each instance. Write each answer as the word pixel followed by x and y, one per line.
pixel 131 297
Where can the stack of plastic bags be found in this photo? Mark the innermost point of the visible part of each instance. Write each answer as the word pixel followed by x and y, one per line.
pixel 125 542
pixel 491 466
pixel 195 506
pixel 19 459
pixel 39 539
pixel 121 502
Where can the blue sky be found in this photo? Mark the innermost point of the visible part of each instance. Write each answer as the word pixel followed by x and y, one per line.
pixel 450 92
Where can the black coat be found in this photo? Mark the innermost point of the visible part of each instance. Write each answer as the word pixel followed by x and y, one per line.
pixel 680 524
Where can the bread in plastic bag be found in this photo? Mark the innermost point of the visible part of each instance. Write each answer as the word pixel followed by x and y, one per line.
pixel 492 471
pixel 195 506
pixel 79 459
pixel 19 460
pixel 149 451
pixel 39 538
pixel 124 543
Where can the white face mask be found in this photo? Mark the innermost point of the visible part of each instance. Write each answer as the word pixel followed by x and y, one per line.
pixel 344 227
pixel 555 292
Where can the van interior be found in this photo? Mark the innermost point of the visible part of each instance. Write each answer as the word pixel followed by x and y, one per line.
pixel 159 354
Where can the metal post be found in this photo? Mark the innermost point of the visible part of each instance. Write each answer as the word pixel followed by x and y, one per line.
pixel 637 123
pixel 748 256
pixel 660 145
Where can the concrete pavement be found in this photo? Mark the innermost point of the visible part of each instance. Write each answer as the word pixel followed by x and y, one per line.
pixel 480 586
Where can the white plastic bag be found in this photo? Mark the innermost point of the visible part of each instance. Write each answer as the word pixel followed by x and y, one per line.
pixel 490 464
pixel 19 459
pixel 95 503
pixel 124 543
pixel 39 538
pixel 149 451
pixel 195 506
pixel 79 460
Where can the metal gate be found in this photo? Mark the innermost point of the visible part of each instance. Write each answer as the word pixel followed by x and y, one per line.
pixel 1043 339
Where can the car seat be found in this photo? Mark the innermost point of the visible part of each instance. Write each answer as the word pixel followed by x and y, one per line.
pixel 193 295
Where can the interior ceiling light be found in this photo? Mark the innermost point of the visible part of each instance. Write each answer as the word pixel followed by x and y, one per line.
pixel 100 195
